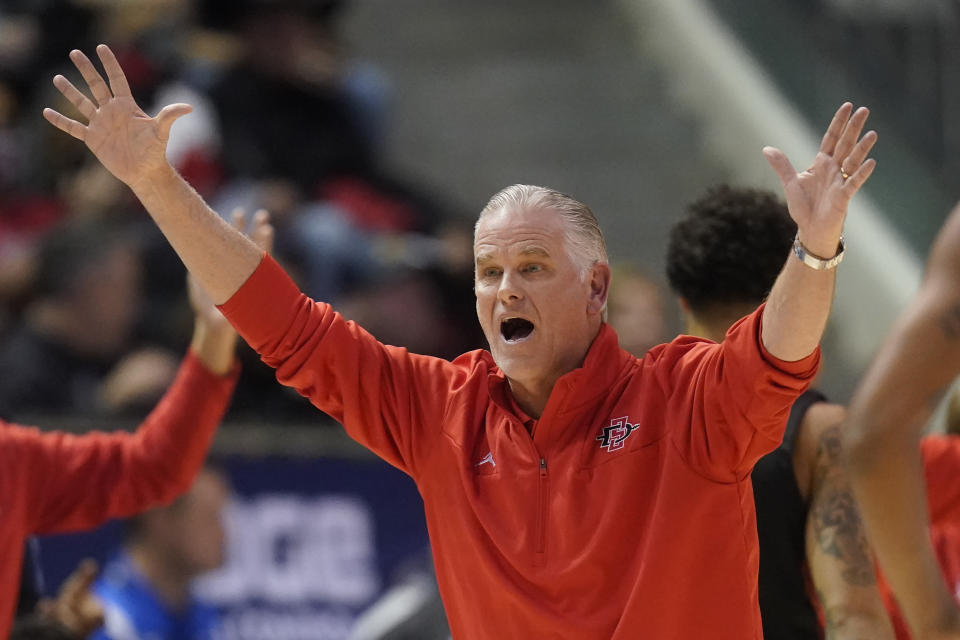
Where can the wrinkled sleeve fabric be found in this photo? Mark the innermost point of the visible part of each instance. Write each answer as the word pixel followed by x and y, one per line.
pixel 71 482
pixel 389 400
pixel 728 403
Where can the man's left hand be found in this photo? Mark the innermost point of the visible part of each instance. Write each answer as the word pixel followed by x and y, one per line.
pixel 818 197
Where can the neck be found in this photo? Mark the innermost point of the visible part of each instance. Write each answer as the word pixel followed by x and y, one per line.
pixel 715 324
pixel 165 577
pixel 533 398
pixel 532 395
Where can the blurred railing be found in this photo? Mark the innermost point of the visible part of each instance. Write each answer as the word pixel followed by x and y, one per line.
pixel 901 58
pixel 322 438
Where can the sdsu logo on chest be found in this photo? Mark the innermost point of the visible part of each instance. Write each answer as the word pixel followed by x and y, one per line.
pixel 614 435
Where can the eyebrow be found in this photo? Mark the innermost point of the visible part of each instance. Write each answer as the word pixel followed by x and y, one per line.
pixel 529 251
pixel 535 251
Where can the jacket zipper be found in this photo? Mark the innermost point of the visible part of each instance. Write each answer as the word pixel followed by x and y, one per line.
pixel 542 508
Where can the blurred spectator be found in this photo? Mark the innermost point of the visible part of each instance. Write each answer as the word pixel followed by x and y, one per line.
pixel 635 310
pixel 62 357
pixel 146 590
pixel 73 615
pixel 284 119
pixel 286 81
pixel 40 628
pixel 422 299
pixel 299 125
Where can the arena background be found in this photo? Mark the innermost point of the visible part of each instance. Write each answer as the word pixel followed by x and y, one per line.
pixel 633 106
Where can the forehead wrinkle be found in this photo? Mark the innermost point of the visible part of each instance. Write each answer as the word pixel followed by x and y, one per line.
pixel 530 250
pixel 502 236
pixel 529 242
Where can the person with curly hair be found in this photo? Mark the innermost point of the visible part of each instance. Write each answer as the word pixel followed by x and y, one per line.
pixel 723 258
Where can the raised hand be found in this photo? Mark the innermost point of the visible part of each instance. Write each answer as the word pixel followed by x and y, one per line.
pixel 128 142
pixel 818 197
pixel 75 606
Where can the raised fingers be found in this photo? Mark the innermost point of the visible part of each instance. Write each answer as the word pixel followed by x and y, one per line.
pixel 118 81
pixel 832 135
pixel 77 99
pixel 64 123
pixel 781 164
pixel 852 184
pixel 850 135
pixel 79 581
pixel 855 158
pixel 262 232
pixel 238 218
pixel 98 87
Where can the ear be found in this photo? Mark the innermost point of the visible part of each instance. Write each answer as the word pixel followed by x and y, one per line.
pixel 599 278
pixel 684 305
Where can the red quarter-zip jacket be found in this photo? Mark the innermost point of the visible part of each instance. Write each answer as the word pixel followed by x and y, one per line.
pixel 625 512
pixel 57 482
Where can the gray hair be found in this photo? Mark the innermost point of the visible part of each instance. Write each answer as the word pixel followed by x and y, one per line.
pixel 583 235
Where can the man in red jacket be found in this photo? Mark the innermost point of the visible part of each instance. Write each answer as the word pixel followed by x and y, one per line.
pixel 571 489
pixel 57 483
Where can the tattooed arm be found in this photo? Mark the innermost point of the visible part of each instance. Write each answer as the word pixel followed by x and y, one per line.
pixel 919 358
pixel 839 557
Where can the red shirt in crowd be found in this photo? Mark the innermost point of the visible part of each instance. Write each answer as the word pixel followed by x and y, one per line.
pixel 57 483
pixel 624 511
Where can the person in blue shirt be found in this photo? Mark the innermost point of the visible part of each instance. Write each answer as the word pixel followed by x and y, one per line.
pixel 146 589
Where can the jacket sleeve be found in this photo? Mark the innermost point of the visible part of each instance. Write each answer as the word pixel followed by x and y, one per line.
pixel 389 400
pixel 728 403
pixel 72 482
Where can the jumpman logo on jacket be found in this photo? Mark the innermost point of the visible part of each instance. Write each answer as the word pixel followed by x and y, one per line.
pixel 487 458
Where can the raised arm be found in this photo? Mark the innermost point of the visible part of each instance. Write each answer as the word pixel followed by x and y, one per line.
pixel 839 557
pixel 917 361
pixel 799 303
pixel 73 482
pixel 132 146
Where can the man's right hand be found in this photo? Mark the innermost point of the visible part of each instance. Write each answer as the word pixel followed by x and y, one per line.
pixel 128 142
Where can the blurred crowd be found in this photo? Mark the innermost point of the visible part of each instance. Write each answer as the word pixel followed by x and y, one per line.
pixel 93 311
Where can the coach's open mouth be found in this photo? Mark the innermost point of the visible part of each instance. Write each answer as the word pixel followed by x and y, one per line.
pixel 515 329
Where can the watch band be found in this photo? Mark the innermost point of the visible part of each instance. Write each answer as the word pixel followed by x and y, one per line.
pixel 816 262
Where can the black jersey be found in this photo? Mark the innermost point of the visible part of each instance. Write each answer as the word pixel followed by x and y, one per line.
pixel 785 607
